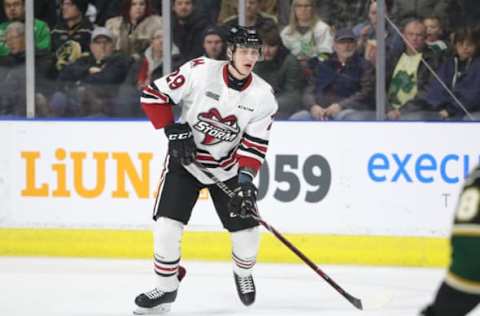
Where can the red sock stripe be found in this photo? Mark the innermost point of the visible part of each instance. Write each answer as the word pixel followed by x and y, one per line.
pixel 244 264
pixel 165 268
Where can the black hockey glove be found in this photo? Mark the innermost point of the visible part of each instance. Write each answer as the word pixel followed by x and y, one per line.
pixel 181 145
pixel 243 203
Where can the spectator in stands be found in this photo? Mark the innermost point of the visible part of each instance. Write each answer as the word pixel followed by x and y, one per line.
pixel 408 77
pixel 71 37
pixel 214 45
pixel 91 82
pixel 44 10
pixel 366 34
pixel 282 71
pixel 188 29
pixel 253 17
pixel 151 65
pixel 133 29
pixel 461 74
pixel 342 14
pixel 307 36
pixel 15 11
pixel 142 73
pixel 228 8
pixel 13 72
pixel 280 9
pixel 407 9
pixel 435 33
pixel 342 86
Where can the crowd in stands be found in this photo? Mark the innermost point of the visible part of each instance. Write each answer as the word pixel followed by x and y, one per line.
pixel 93 57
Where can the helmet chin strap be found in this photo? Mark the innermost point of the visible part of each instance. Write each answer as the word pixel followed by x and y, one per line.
pixel 232 62
pixel 235 67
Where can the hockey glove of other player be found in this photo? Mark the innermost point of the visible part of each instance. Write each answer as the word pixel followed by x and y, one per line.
pixel 181 145
pixel 243 203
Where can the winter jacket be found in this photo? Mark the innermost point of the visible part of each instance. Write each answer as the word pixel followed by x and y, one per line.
pixel 41 33
pixel 114 70
pixel 79 33
pixel 133 40
pixel 347 84
pixel 464 86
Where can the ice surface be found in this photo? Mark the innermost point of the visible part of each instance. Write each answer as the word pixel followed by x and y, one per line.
pixel 90 287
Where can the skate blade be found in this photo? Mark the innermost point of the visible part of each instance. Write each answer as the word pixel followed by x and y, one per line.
pixel 158 310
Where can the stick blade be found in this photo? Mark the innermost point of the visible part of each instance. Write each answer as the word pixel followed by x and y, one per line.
pixel 355 301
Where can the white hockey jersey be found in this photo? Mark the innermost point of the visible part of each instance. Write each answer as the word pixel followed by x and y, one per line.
pixel 231 128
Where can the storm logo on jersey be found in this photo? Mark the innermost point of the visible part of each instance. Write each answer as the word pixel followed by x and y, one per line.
pixel 217 128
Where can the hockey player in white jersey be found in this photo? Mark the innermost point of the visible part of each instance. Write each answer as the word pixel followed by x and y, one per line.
pixel 226 115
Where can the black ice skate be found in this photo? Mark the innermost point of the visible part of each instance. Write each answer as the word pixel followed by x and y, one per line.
pixel 157 302
pixel 245 288
pixel 154 302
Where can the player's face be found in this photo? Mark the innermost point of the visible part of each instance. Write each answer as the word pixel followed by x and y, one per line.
pixel 245 59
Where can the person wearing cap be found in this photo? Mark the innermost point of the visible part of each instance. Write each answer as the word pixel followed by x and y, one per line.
pixel 71 36
pixel 94 79
pixel 214 45
pixel 336 83
pixel 15 11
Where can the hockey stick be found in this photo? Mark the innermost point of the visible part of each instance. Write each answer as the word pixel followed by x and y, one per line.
pixel 353 300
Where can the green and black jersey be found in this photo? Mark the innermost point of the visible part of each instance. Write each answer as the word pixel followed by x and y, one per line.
pixel 464 272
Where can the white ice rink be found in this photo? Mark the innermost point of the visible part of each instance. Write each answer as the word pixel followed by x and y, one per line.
pixel 87 287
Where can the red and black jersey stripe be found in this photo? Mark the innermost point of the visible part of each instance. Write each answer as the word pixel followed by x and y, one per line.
pixel 252 151
pixel 157 106
pixel 227 162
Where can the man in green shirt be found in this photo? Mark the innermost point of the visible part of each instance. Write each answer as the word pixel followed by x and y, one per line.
pixel 15 11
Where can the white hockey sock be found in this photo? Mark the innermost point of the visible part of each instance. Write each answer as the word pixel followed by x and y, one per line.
pixel 245 244
pixel 167 238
